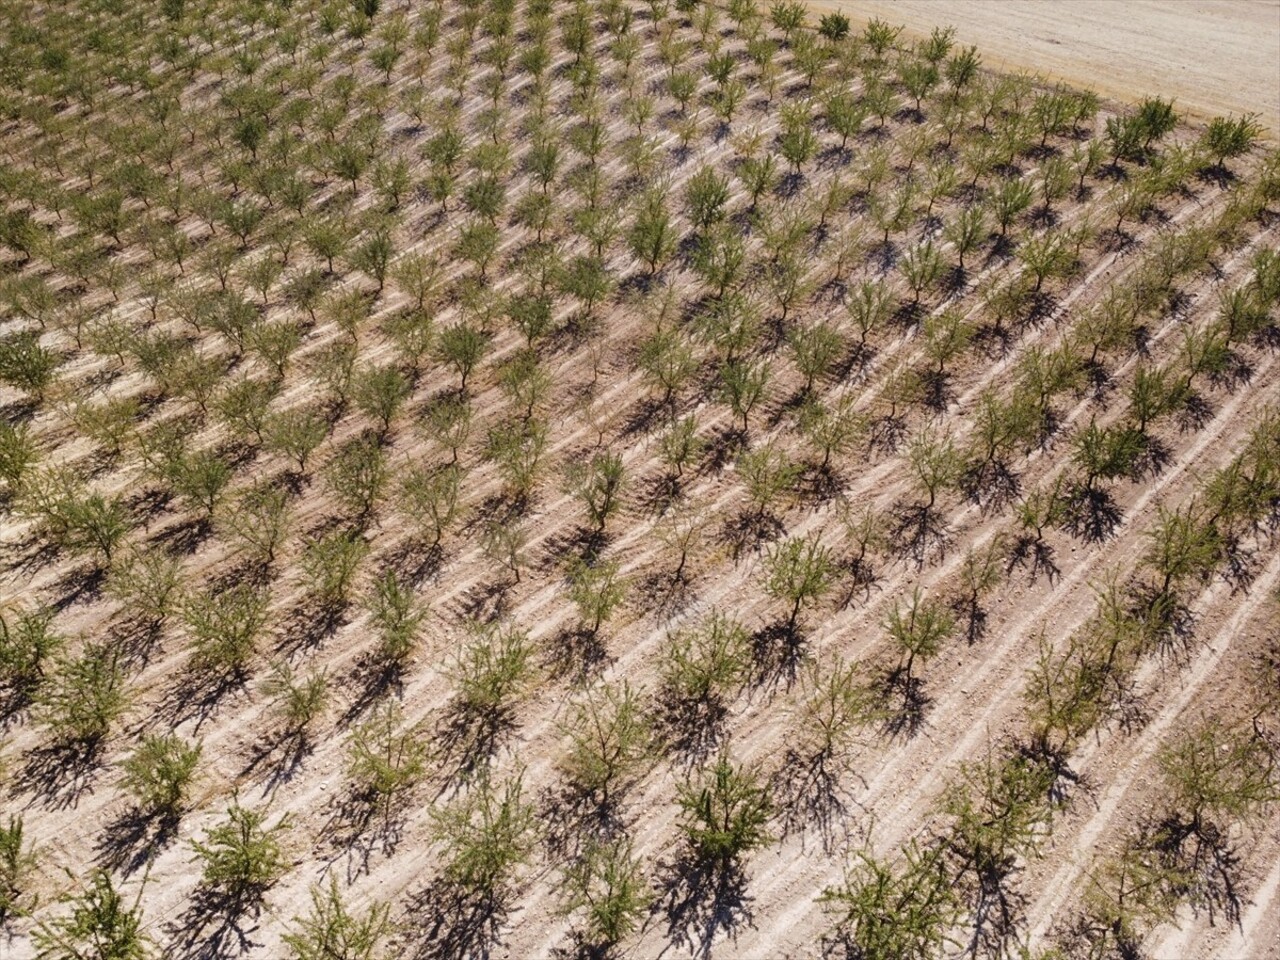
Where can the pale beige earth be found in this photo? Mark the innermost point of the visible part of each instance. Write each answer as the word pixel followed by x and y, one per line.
pixel 1213 56
pixel 977 688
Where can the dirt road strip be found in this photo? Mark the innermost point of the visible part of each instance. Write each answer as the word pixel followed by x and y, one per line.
pixel 1213 56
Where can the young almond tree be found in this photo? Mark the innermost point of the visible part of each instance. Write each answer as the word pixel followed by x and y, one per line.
pixel 744 385
pixel 1229 137
pixel 610 743
pixel 384 761
pixel 800 570
pixel 599 485
pixel 18 860
pixel 653 235
pixel 704 666
pixel 398 616
pixel 225 627
pixel 83 697
pixel 462 347
pixel 100 925
pixel 886 909
pixel 298 700
pixel 487 836
pixel 725 815
pixel 607 884
pixel 1216 776
pixel 838 704
pixel 28 645
pixel 597 591
pixel 333 931
pixel 919 628
pixel 241 857
pixel 159 774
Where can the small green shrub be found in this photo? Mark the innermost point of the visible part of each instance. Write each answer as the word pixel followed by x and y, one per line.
pixel 159 773
pixel 100 926
pixel 331 931
pixel 241 858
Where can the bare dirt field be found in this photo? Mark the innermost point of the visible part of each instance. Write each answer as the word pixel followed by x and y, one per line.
pixel 1213 56
pixel 332 404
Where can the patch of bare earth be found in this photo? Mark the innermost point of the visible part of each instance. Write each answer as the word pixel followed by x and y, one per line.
pixel 1213 57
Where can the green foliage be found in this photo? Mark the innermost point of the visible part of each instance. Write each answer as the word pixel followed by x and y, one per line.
pixel 725 813
pixel 78 703
pixel 837 705
pixel 832 429
pixel 1106 453
pixel 398 617
pixel 259 521
pixel 462 347
pixel 430 497
pixel 488 834
pixel 331 931
pixel 17 861
pixel 159 773
pixel 518 447
pixel 999 808
pixel 597 591
pixel 653 235
pixel 447 421
pixel 743 386
pixel 299 701
pixel 73 518
pixel 383 760
pixel 708 663
pixel 26 365
pixel 1216 773
pixel 706 195
pixel 18 453
pixel 492 671
pixel 27 644
pixel 241 858
pixel 680 446
pixel 799 570
pixel 919 628
pixel 100 926
pixel 357 475
pixel 296 433
pixel 1125 898
pixel 243 407
pixel 200 478
pixel 379 392
pixel 610 742
pixel 904 910
pixel 797 143
pixel 666 361
pixel 599 484
pixel 608 885
pixel 834 26
pixel 526 381
pixel 225 627
pixel 329 566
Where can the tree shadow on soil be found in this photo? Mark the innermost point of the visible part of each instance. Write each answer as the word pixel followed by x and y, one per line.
pixel 702 902
pixel 58 774
pixel 779 650
pixel 453 924
pixel 214 926
pixel 134 839
pixel 909 702
pixel 920 532
pixel 812 796
pixel 576 653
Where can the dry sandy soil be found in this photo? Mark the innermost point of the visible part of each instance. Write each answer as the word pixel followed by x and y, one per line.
pixel 1213 56
pixel 598 399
